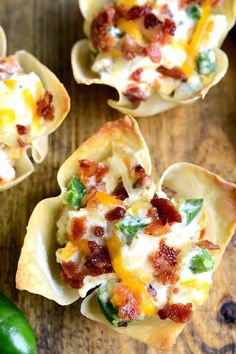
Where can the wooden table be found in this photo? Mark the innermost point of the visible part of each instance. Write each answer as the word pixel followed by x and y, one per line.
pixel 203 133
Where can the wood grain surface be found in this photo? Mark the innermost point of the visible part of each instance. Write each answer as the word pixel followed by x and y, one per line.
pixel 203 133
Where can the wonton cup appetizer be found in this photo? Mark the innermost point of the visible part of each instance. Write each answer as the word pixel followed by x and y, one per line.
pixel 33 103
pixel 156 54
pixel 147 250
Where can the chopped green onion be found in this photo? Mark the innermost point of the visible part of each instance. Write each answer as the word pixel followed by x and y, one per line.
pixel 205 62
pixel 108 310
pixel 131 225
pixel 194 12
pixel 190 208
pixel 202 262
pixel 94 53
pixel 75 193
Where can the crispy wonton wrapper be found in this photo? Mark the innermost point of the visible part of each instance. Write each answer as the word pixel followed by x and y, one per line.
pixel 156 103
pixel 61 102
pixel 38 271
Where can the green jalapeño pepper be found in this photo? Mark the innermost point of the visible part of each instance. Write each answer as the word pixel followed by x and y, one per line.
pixel 16 335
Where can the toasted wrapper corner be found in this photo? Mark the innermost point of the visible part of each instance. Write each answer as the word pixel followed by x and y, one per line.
pixel 61 103
pixel 156 103
pixel 188 181
pixel 38 272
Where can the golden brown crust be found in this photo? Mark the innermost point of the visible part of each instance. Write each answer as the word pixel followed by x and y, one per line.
pixel 61 102
pixel 157 103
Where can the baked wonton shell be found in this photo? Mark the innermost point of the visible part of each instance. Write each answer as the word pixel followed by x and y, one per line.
pixel 61 102
pixel 38 271
pixel 156 103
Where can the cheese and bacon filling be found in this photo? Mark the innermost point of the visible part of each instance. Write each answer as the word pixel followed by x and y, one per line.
pixel 145 251
pixel 166 46
pixel 26 108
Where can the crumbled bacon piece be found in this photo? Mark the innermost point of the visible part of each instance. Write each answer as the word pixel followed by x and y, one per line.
pixel 135 95
pixel 78 227
pixel 150 21
pixel 208 245
pixel 100 36
pixel 115 214
pixel 165 262
pixel 98 231
pixel 202 234
pixel 9 65
pixel 137 11
pixel 130 48
pixel 45 108
pixel 169 26
pixel 88 169
pixel 90 198
pixel 156 227
pixel 98 262
pixel 166 210
pixel 22 129
pixel 176 312
pixel 143 179
pixel 154 52
pixel 136 75
pixel 20 143
pixel 176 73
pixel 72 275
pixel 130 309
pixel 120 191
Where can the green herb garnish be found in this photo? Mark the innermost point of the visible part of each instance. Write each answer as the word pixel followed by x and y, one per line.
pixel 94 53
pixel 75 193
pixel 205 62
pixel 202 262
pixel 108 310
pixel 194 11
pixel 131 225
pixel 190 208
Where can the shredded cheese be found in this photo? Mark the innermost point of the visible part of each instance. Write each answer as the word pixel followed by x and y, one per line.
pixel 30 102
pixel 7 117
pixel 131 28
pixel 200 32
pixel 128 278
pixel 107 200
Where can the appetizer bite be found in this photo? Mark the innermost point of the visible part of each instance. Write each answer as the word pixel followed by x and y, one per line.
pixel 156 54
pixel 33 103
pixel 147 251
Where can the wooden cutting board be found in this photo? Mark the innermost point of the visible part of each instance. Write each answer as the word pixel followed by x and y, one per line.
pixel 203 133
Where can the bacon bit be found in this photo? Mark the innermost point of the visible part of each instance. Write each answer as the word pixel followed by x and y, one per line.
pixel 44 106
pixel 176 290
pixel 120 191
pixel 98 231
pixel 150 21
pixel 115 214
pixel 208 245
pixel 176 312
pixel 176 73
pixel 22 129
pixel 169 26
pixel 155 228
pixel 135 95
pixel 98 262
pixel 100 36
pixel 137 12
pixel 9 65
pixel 154 52
pixel 130 48
pixel 20 142
pixel 78 228
pixel 165 262
pixel 130 308
pixel 88 169
pixel 90 200
pixel 136 75
pixel 71 274
pixel 151 290
pixel 143 179
pixel 166 210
